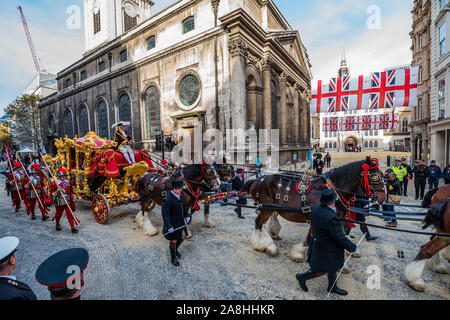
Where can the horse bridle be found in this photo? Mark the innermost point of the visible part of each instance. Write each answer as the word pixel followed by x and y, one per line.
pixel 209 172
pixel 376 183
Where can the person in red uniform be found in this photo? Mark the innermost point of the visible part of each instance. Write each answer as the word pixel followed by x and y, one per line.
pixel 60 205
pixel 19 176
pixel 32 197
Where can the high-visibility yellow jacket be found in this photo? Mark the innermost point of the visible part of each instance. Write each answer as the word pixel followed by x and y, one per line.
pixel 400 172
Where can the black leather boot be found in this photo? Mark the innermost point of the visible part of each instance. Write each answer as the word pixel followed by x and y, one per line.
pixel 302 277
pixel 331 279
pixel 173 257
pixel 238 211
pixel 364 229
pixel 177 253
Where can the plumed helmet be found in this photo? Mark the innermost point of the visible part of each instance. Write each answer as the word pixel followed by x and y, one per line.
pixel 62 172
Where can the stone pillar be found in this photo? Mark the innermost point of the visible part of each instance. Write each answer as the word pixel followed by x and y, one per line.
pixel 296 115
pixel 304 123
pixel 267 97
pixel 282 121
pixel 238 52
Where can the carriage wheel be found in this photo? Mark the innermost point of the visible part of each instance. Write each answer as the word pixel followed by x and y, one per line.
pixel 100 208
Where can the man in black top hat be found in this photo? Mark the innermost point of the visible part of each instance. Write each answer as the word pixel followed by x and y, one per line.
pixel 237 182
pixel 10 288
pixel 62 273
pixel 174 212
pixel 326 250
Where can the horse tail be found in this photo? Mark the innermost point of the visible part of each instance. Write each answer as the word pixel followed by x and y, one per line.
pixel 426 202
pixel 435 215
pixel 247 185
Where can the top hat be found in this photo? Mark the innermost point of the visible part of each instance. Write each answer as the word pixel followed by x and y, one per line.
pixel 327 197
pixel 176 184
pixel 53 272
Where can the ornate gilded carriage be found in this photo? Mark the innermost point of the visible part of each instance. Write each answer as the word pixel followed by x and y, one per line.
pixel 98 173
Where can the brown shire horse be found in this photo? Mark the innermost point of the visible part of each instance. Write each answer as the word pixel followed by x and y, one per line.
pixel 438 216
pixel 152 188
pixel 282 190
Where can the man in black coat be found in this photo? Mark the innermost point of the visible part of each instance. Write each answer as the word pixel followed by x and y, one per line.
pixel 407 178
pixel 420 179
pixel 236 185
pixel 10 288
pixel 326 250
pixel 446 174
pixel 174 213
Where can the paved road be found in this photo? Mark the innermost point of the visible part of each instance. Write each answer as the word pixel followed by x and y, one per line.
pixel 217 263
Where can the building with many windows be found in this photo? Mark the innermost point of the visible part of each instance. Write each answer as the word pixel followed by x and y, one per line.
pixel 421 50
pixel 219 64
pixel 439 126
pixel 397 139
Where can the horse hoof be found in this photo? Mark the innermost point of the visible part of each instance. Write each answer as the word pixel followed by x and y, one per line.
pixel 189 236
pixel 272 250
pixel 298 258
pixel 210 226
pixel 441 269
pixel 356 255
pixel 418 286
pixel 276 238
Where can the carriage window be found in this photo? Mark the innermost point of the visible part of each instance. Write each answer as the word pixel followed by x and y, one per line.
pixel 102 120
pixel 68 123
pixel 125 109
pixel 152 113
pixel 84 121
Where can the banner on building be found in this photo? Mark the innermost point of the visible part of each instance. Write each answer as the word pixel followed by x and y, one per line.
pixel 380 90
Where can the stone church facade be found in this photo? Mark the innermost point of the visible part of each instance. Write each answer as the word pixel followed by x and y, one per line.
pixel 219 64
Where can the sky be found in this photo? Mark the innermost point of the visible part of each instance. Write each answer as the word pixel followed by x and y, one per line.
pixel 375 34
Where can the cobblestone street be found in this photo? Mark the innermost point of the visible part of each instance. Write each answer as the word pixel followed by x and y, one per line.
pixel 216 264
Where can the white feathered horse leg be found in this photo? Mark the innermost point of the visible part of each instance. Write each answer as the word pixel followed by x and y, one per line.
pixel 261 241
pixel 413 275
pixel 274 226
pixel 446 253
pixel 140 219
pixel 436 264
pixel 149 229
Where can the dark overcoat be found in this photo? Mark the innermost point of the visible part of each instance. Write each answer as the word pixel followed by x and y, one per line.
pixel 326 250
pixel 174 212
pixel 237 184
pixel 15 290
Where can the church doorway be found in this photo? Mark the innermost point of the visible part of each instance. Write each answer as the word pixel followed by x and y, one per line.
pixel 351 144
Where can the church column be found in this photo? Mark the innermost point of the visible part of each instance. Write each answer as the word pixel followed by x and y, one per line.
pixel 282 125
pixel 296 115
pixel 304 126
pixel 238 52
pixel 267 78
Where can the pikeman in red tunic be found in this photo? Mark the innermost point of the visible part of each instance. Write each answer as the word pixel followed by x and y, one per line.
pixel 32 197
pixel 18 176
pixel 66 187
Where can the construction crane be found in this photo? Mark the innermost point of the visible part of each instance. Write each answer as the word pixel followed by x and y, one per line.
pixel 30 42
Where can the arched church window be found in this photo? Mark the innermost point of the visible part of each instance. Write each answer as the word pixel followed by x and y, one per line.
pixel 125 109
pixel 152 113
pixel 102 120
pixel 68 124
pixel 84 120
